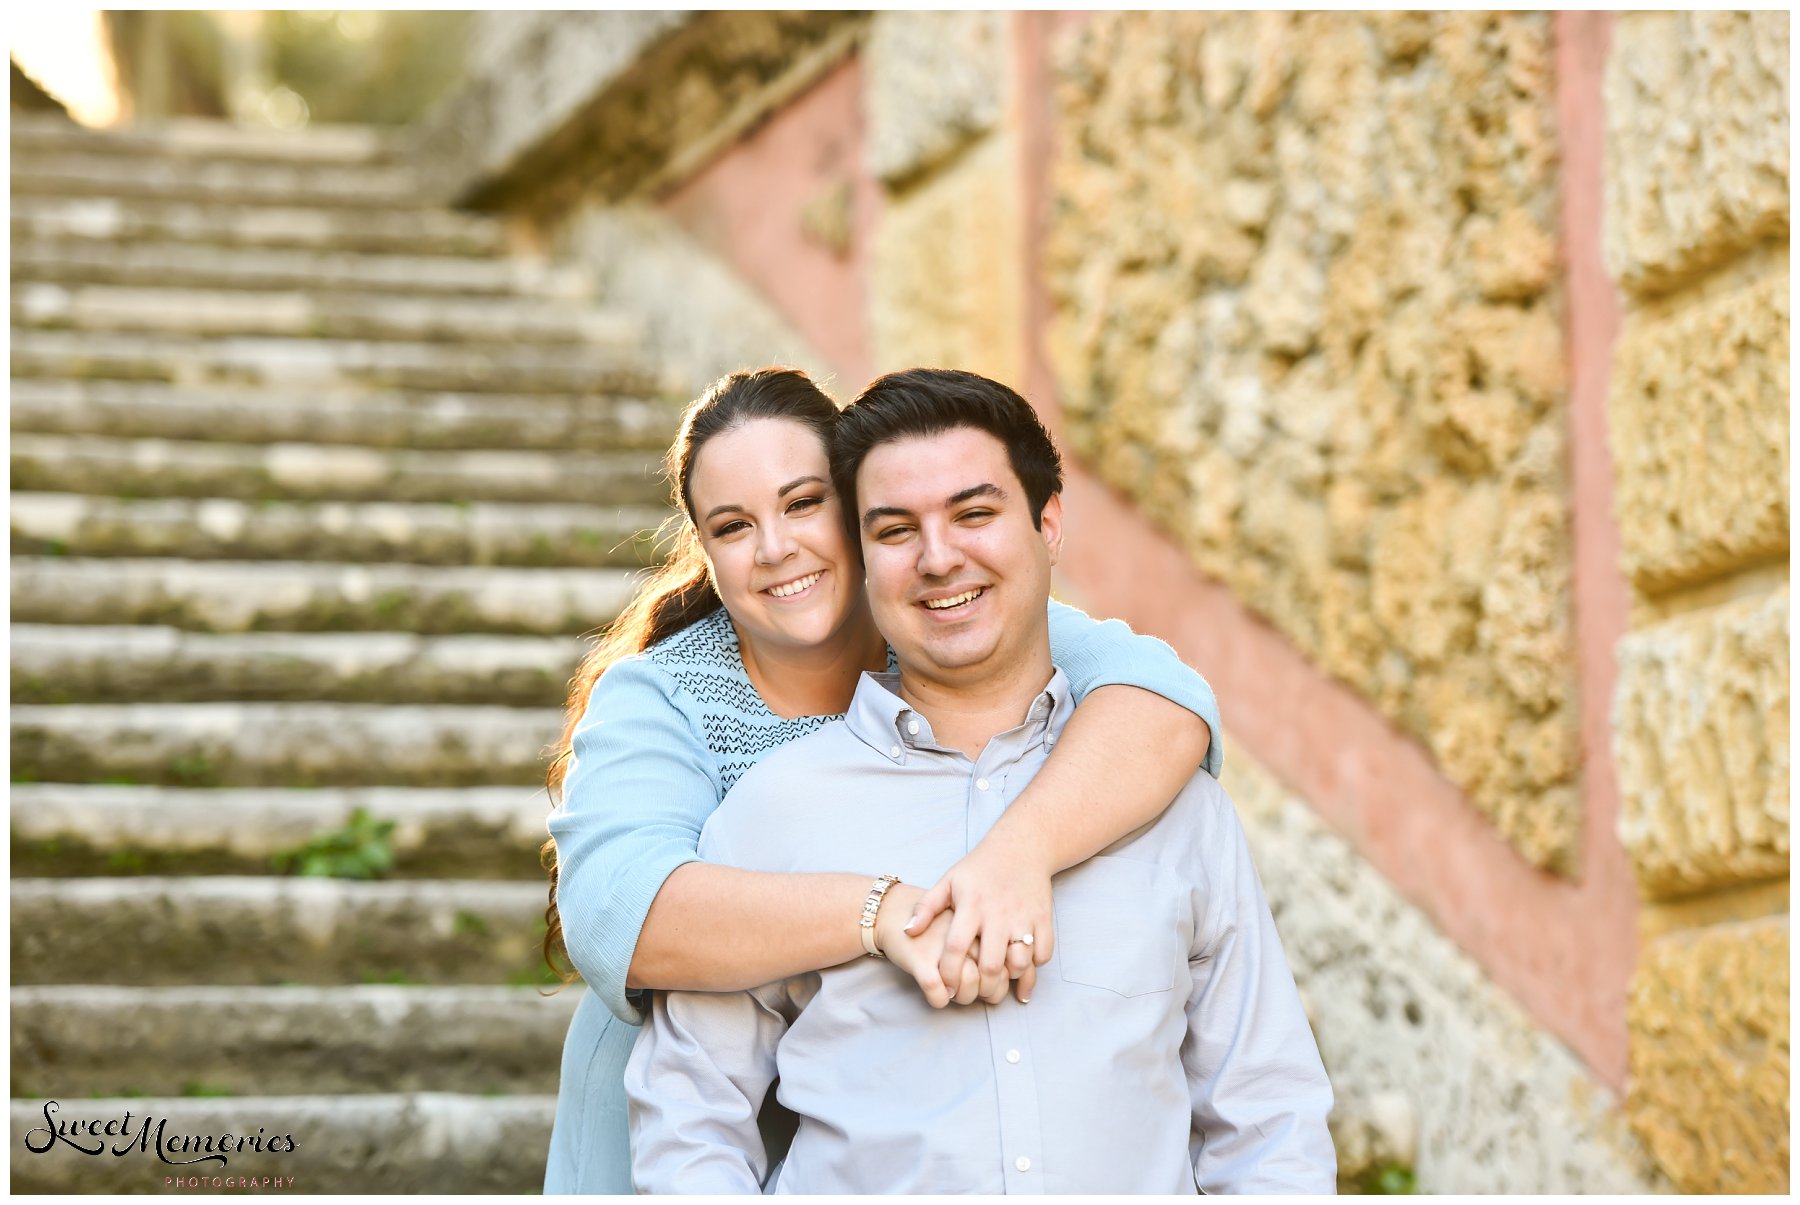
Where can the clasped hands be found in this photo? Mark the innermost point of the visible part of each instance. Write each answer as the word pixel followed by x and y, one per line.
pixel 956 940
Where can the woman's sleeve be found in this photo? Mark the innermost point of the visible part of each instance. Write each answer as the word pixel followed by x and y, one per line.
pixel 1095 654
pixel 637 794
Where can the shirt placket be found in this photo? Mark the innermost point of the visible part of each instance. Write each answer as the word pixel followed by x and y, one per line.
pixel 1015 1071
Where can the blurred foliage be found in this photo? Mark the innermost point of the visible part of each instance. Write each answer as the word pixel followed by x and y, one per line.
pixel 1391 1180
pixel 360 850
pixel 386 68
pixel 290 68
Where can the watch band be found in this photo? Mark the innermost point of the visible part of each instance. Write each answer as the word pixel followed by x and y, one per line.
pixel 871 907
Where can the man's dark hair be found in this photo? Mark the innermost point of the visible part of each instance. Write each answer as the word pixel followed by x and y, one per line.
pixel 929 401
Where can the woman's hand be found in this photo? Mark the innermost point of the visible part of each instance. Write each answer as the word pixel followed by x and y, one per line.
pixel 918 954
pixel 999 891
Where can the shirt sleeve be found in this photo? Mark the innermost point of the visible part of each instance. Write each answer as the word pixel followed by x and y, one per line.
pixel 1259 1091
pixel 641 786
pixel 1094 654
pixel 696 1080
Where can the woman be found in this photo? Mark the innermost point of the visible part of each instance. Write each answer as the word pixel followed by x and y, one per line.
pixel 754 633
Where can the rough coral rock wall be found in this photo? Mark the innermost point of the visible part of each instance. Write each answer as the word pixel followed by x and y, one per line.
pixel 1696 234
pixel 1433 1066
pixel 1305 274
pixel 945 286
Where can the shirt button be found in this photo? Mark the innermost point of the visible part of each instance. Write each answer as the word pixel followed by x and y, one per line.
pixel 1022 1163
pixel 981 784
pixel 912 726
pixel 1012 1056
pixel 894 752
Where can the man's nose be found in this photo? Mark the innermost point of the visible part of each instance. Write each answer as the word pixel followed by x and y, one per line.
pixel 939 553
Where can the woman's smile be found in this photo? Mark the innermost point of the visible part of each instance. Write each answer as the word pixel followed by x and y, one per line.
pixel 795 588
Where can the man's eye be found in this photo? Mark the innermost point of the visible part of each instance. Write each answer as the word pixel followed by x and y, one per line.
pixel 976 514
pixel 887 533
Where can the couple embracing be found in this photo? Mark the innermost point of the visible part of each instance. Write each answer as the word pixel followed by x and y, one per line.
pixel 848 682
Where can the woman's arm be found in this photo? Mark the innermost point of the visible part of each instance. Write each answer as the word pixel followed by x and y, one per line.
pixel 638 907
pixel 1131 745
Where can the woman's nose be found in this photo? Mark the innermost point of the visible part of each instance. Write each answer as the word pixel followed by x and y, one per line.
pixel 774 544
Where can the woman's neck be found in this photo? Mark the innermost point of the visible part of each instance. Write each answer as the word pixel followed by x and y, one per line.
pixel 820 680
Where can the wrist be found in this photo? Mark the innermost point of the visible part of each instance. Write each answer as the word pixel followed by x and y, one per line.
pixel 896 909
pixel 1021 844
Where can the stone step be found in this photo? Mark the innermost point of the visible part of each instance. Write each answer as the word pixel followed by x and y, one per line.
pixel 165 264
pixel 282 744
pixel 496 368
pixel 189 138
pixel 426 1142
pixel 420 232
pixel 257 472
pixel 62 830
pixel 420 533
pixel 76 663
pixel 248 414
pixel 361 316
pixel 63 173
pixel 238 596
pixel 75 1042
pixel 225 930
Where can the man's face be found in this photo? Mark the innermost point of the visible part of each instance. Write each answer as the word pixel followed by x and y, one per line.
pixel 958 574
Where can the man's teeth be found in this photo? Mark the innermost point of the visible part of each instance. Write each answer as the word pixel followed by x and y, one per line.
pixel 793 588
pixel 944 604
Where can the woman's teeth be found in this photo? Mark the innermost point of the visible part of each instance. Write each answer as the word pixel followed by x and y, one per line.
pixel 944 604
pixel 793 588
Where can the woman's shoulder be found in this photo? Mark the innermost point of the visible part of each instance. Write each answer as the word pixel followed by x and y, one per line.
pixel 710 642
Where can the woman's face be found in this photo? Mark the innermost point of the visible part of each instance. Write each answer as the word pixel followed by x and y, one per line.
pixel 773 532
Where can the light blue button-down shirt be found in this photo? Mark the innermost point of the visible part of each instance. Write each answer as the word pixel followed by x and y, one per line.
pixel 1164 1050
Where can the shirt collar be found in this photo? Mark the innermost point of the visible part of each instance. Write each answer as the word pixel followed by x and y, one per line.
pixel 881 719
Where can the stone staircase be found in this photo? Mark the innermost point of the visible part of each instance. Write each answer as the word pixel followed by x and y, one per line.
pixel 314 489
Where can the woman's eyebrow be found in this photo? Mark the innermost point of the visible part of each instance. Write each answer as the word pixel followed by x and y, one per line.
pixel 797 482
pixel 719 510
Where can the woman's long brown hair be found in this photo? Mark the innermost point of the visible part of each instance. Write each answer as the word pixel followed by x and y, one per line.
pixel 680 591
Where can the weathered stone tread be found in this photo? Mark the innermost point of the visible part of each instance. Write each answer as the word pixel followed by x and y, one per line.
pixel 81 173
pixel 268 930
pixel 236 596
pixel 180 138
pixel 420 533
pixel 292 362
pixel 85 1041
pixel 257 472
pixel 71 830
pixel 441 232
pixel 162 264
pixel 304 314
pixel 419 421
pixel 76 663
pixel 282 744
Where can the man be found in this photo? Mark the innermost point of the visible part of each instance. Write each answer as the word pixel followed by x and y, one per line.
pixel 1164 1048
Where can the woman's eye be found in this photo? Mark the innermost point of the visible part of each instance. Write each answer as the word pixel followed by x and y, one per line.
pixel 806 503
pixel 729 528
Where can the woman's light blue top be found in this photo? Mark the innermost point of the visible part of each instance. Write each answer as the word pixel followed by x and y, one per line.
pixel 666 733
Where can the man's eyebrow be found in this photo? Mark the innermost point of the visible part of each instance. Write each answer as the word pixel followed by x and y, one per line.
pixel 986 489
pixel 884 512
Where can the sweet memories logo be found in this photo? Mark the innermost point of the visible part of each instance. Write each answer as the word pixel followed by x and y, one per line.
pixel 120 1135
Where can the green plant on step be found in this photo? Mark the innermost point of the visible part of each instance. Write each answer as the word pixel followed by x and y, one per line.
pixel 361 849
pixel 196 1087
pixel 1389 1180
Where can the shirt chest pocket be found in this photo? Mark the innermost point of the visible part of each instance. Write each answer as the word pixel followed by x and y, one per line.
pixel 1116 926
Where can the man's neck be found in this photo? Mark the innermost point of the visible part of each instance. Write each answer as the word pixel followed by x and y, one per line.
pixel 966 714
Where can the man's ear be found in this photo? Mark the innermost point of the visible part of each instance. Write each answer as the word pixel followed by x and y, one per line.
pixel 1050 526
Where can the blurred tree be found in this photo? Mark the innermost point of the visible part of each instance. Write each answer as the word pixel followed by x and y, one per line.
pixel 169 63
pixel 287 68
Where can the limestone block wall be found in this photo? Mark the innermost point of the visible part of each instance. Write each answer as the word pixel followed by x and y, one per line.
pixel 1305 275
pixel 1696 234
